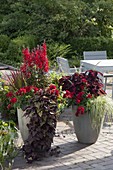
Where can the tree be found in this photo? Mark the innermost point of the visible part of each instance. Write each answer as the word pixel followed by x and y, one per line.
pixel 59 21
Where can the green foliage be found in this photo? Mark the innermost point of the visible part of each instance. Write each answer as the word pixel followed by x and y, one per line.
pixel 16 21
pixel 97 108
pixel 54 79
pixel 57 49
pixel 25 41
pixel 13 53
pixel 6 114
pixel 92 44
pixel 4 42
pixel 3 57
pixel 103 11
pixel 16 46
pixel 8 150
pixel 56 21
pixel 16 80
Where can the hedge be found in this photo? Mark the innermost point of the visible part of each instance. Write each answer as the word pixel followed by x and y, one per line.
pixel 4 43
pixel 13 53
pixel 93 44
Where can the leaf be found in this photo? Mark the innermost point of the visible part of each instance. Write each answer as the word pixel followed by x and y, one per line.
pixel 39 112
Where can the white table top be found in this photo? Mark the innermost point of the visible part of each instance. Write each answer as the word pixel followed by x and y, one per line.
pixel 99 65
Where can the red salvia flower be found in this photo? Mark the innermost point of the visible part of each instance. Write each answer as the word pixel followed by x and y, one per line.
pixel 89 96
pixel 80 110
pixel 68 94
pixel 10 94
pixel 54 91
pixel 77 101
pixel 52 86
pixel 21 91
pixel 9 106
pixel 13 100
pixel 35 89
pixel 28 88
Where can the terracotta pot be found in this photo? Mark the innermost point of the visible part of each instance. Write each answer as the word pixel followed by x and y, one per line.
pixel 84 130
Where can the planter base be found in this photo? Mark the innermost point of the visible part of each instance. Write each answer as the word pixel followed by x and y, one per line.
pixel 84 131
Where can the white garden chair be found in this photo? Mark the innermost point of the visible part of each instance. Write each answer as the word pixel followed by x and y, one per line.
pixel 94 55
pixel 64 66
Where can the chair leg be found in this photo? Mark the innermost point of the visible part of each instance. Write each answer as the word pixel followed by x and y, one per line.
pixel 112 88
pixel 105 83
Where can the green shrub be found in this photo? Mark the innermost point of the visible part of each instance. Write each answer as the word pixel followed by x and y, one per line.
pixel 25 41
pixel 14 52
pixel 4 43
pixel 2 57
pixel 92 44
pixel 61 50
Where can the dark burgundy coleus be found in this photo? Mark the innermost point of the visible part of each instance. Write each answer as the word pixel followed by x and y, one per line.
pixel 75 82
pixel 80 87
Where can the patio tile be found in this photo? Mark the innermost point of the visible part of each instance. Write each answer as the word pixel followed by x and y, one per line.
pixel 73 155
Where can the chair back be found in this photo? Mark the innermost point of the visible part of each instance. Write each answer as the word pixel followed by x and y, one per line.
pixel 63 65
pixel 94 55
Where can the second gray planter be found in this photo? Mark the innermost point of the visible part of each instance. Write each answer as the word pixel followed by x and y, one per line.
pixel 84 130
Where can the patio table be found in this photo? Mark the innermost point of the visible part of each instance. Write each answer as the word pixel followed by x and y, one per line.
pixel 105 65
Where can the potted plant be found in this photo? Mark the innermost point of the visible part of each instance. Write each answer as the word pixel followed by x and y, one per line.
pixel 84 91
pixel 42 112
pixel 36 100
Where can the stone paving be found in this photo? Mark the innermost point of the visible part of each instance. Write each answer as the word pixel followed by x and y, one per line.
pixel 73 155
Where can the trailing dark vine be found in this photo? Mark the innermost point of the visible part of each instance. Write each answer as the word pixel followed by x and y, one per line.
pixel 42 110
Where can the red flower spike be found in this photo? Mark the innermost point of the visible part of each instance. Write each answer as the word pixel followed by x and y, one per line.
pixel 36 58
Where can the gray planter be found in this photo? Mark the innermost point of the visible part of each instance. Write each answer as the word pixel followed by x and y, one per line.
pixel 22 122
pixel 84 131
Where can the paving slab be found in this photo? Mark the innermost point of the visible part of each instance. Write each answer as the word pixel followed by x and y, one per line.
pixel 73 155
